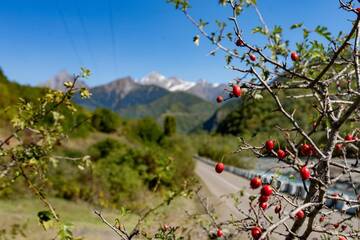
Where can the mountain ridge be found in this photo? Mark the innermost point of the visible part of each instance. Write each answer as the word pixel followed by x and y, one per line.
pixel 201 88
pixel 155 96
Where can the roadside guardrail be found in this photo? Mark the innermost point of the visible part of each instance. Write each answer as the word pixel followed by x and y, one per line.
pixel 286 185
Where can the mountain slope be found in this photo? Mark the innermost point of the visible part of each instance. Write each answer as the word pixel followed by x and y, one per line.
pixel 133 100
pixel 122 93
pixel 189 110
pixel 220 114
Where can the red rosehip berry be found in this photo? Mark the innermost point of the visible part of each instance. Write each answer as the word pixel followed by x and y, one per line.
pixel 263 205
pixel 349 137
pixel 219 99
pixel 266 190
pixel 281 154
pixel 219 233
pixel 338 147
pixel 237 91
pixel 342 238
pixel 294 56
pixel 300 214
pixel 255 182
pixel 263 198
pixel 322 218
pixel 357 10
pixel 306 149
pixel 336 225
pixel 219 168
pixel 252 57
pixel 269 144
pixel 239 43
pixel 305 173
pixel 256 232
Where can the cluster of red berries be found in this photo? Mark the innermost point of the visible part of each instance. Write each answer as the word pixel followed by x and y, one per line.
pixel 270 145
pixel 266 190
pixel 348 138
pixel 265 193
pixel 235 92
pixel 305 149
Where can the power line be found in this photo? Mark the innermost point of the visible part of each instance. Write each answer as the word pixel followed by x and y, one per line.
pixel 86 36
pixel 68 33
pixel 113 38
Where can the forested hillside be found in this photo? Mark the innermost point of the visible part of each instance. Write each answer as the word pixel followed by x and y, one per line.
pixel 125 155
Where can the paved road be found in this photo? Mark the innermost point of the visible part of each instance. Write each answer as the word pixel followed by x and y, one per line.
pixel 226 183
pixel 220 185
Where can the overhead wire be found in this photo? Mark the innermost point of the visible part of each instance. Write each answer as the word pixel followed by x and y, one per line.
pixel 113 37
pixel 68 33
pixel 86 36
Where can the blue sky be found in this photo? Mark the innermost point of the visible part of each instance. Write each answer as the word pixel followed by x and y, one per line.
pixel 42 37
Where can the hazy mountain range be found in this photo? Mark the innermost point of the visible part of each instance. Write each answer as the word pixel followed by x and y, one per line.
pixel 202 88
pixel 155 95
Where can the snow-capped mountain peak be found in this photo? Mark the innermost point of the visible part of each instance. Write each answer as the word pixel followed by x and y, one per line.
pixel 171 83
pixel 201 88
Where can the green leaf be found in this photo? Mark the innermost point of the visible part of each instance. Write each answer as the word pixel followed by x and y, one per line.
pixel 260 30
pixel 251 2
pixel 221 25
pixel 238 10
pixel 306 33
pixel 296 25
pixel 277 30
pixel 44 216
pixel 85 72
pixel 202 24
pixel 252 198
pixel 228 59
pixel 222 2
pixel 229 36
pixel 323 31
pixel 85 93
pixel 180 4
pixel 68 84
pixel 46 219
pixel 65 232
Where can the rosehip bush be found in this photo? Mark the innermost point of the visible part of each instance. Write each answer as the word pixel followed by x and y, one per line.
pixel 321 69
